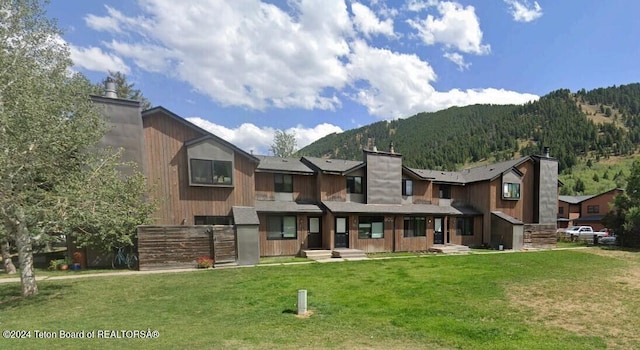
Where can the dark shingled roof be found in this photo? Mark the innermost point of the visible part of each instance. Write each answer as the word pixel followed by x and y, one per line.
pixel 283 165
pixel 353 207
pixel 491 171
pixel 245 216
pixel 341 166
pixel 589 218
pixel 507 218
pixel 286 207
pixel 576 199
pixel 440 176
pixel 480 173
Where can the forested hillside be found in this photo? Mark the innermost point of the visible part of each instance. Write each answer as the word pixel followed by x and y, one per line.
pixel 592 124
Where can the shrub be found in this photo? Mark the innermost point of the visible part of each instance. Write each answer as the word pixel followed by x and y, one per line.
pixel 204 262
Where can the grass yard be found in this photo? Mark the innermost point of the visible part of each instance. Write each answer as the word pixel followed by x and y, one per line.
pixel 581 299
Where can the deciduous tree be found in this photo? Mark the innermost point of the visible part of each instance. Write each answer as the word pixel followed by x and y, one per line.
pixel 49 131
pixel 284 143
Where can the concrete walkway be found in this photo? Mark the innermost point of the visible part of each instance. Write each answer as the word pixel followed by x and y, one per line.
pixel 231 266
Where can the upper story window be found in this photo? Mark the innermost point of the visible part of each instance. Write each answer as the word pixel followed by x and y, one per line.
pixel 354 184
pixel 211 172
pixel 444 191
pixel 593 209
pixel 283 183
pixel 407 187
pixel 510 190
pixel 560 210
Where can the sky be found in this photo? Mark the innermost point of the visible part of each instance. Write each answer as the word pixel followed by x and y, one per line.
pixel 243 69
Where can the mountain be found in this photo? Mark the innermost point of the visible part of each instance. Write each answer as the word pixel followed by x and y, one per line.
pixel 593 124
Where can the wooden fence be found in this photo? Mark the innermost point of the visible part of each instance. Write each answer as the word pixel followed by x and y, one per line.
pixel 168 247
pixel 540 236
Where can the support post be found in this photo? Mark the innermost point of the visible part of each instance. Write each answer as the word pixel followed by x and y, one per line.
pixel 302 301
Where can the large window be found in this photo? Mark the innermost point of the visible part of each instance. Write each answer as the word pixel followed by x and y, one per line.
pixel 354 184
pixel 593 209
pixel 211 172
pixel 407 187
pixel 510 190
pixel 444 191
pixel 464 226
pixel 283 183
pixel 281 227
pixel 213 220
pixel 370 227
pixel 415 226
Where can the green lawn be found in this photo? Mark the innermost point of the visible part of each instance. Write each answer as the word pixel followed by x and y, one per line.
pixel 581 299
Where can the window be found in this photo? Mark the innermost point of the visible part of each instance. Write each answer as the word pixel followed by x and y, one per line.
pixel 593 209
pixel 415 226
pixel 510 190
pixel 464 226
pixel 314 225
pixel 211 172
pixel 445 191
pixel 560 210
pixel 354 184
pixel 370 227
pixel 213 220
pixel 407 187
pixel 281 227
pixel 283 183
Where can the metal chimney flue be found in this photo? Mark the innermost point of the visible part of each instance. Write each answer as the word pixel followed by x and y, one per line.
pixel 110 88
pixel 547 153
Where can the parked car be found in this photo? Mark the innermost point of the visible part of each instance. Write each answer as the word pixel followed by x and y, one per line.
pixel 576 232
pixel 608 240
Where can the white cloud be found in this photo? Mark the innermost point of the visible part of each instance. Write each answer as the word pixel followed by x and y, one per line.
pixel 252 138
pixel 420 5
pixel 309 55
pixel 393 84
pixel 458 59
pixel 458 28
pixel 93 58
pixel 368 23
pixel 523 11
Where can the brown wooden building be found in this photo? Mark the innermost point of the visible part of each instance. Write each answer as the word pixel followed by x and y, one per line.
pixel 375 205
pixel 588 210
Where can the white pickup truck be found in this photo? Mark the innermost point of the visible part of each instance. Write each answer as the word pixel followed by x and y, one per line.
pixel 577 232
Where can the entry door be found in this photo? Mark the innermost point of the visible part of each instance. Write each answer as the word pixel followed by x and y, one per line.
pixel 315 233
pixel 438 231
pixel 342 233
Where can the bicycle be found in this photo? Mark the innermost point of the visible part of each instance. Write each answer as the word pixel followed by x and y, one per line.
pixel 122 259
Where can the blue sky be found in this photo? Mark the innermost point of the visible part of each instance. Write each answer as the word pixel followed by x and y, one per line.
pixel 244 68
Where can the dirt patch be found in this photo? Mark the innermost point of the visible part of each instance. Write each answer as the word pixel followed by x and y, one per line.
pixel 603 306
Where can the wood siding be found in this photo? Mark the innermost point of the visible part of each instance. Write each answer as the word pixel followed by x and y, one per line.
pixel 372 245
pixel 304 187
pixel 167 171
pixel 283 247
pixel 422 192
pixel 333 188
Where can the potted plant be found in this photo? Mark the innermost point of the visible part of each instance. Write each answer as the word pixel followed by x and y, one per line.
pixel 204 262
pixel 63 264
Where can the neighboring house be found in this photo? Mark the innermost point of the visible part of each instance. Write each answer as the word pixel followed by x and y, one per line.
pixel 375 205
pixel 588 210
